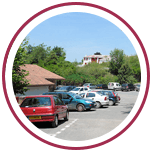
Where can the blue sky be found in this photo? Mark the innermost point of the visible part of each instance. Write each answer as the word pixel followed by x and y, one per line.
pixel 80 34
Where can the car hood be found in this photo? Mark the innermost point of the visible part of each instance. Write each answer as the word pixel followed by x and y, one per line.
pixel 60 91
pixel 84 100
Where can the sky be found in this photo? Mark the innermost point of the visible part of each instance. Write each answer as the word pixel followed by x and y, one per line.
pixel 80 34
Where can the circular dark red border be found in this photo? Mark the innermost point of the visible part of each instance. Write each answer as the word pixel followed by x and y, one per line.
pixel 70 4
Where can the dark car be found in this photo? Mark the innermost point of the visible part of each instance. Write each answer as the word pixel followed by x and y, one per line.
pixel 102 86
pixel 127 87
pixel 74 101
pixel 137 87
pixel 65 89
pixel 44 108
pixel 113 96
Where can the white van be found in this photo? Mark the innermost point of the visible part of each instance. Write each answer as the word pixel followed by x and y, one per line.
pixel 114 86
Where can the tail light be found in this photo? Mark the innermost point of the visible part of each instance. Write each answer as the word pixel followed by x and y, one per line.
pixel 88 86
pixel 127 87
pixel 105 98
pixel 114 94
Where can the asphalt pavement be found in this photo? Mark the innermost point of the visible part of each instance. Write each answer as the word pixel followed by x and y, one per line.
pixel 94 123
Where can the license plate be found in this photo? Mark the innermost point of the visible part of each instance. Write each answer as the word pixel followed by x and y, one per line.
pixel 35 117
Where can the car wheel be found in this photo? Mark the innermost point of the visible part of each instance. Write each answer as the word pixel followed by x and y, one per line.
pixel 111 103
pixel 55 122
pixel 67 116
pixel 98 104
pixel 80 107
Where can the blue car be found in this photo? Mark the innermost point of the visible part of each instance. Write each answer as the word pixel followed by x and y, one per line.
pixel 74 101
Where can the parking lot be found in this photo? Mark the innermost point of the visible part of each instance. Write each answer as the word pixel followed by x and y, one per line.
pixel 94 123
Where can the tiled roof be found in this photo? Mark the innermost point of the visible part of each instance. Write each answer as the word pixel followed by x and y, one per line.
pixel 39 76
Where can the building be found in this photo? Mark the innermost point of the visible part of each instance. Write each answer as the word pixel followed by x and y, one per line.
pixel 97 57
pixel 40 79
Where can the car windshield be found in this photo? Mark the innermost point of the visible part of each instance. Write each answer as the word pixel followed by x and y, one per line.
pixel 99 92
pixel 86 84
pixel 36 102
pixel 105 92
pixel 76 89
pixel 76 96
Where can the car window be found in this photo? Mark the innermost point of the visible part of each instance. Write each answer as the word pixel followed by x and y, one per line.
pixel 91 84
pixel 65 96
pixel 55 100
pixel 36 102
pixel 76 89
pixel 86 84
pixel 60 102
pixel 85 89
pixel 105 92
pixel 81 89
pixel 90 95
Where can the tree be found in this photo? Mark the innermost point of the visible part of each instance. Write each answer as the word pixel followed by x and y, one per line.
pixel 18 75
pixel 124 73
pixel 135 66
pixel 117 59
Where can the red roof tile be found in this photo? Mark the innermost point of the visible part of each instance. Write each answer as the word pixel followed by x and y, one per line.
pixel 38 75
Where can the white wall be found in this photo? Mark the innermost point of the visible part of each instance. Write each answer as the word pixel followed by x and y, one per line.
pixel 35 90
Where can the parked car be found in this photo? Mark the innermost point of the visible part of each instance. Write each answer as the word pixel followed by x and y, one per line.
pixel 65 89
pixel 44 108
pixel 79 90
pixel 137 87
pixel 113 96
pixel 114 86
pixel 74 101
pixel 101 100
pixel 102 86
pixel 90 85
pixel 127 87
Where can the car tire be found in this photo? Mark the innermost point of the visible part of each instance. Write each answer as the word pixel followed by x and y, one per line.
pixel 67 116
pixel 111 103
pixel 80 107
pixel 98 104
pixel 55 122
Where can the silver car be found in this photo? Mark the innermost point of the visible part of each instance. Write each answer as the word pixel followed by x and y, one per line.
pixel 90 85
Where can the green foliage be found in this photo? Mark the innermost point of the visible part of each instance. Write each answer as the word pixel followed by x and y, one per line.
pixel 18 75
pixel 135 66
pixel 108 78
pixel 117 59
pixel 125 74
pixel 121 68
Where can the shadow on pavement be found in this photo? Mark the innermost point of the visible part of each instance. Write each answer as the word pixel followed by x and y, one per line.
pixel 129 108
pixel 46 125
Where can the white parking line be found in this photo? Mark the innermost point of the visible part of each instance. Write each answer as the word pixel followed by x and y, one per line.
pixel 67 126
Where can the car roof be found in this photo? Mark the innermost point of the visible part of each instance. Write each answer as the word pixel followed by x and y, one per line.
pixel 34 96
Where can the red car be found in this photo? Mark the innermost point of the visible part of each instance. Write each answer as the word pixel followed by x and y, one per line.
pixel 45 108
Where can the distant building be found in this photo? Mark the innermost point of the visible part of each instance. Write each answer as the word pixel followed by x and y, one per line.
pixel 97 57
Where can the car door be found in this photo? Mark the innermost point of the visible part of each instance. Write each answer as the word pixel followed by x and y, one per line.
pixel 66 98
pixel 62 107
pixel 81 90
pixel 57 107
pixel 86 90
pixel 90 96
